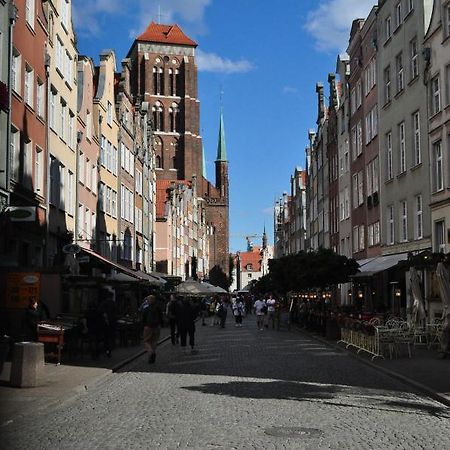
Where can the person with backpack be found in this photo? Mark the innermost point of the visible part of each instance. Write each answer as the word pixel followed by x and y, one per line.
pixel 171 314
pixel 152 321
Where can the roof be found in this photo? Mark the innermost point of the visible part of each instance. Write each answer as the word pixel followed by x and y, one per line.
pixel 221 146
pixel 162 194
pixel 165 34
pixel 253 258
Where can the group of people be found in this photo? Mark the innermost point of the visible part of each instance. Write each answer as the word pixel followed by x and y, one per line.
pixel 267 312
pixel 181 314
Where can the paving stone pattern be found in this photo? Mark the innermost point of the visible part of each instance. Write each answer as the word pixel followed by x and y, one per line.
pixel 245 389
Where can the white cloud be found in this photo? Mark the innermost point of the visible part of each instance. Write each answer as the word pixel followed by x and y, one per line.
pixel 331 22
pixel 188 12
pixel 87 14
pixel 210 62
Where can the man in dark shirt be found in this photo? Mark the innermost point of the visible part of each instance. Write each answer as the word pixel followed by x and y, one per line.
pixel 152 321
pixel 187 313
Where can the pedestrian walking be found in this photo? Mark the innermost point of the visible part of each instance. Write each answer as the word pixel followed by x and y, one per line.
pixel 212 312
pixel 152 321
pixel 186 315
pixel 260 311
pixel 171 313
pixel 222 311
pixel 271 307
pixel 238 311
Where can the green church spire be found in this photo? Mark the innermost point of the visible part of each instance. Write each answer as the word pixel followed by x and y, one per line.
pixel 221 147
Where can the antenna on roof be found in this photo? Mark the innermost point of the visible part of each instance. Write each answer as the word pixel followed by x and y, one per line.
pixel 160 14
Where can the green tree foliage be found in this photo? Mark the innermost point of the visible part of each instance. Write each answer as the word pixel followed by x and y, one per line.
pixel 306 270
pixel 218 277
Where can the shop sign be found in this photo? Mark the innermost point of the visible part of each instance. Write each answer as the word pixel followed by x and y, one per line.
pixel 22 213
pixel 21 288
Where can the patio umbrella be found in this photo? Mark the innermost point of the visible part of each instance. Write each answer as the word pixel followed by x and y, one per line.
pixel 194 288
pixel 444 289
pixel 418 305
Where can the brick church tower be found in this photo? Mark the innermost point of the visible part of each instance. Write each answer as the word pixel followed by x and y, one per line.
pixel 164 74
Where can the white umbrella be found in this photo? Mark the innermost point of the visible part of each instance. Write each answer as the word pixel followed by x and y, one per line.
pixel 193 287
pixel 444 287
pixel 418 305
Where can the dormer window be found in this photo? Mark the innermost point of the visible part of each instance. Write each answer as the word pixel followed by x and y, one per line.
pixel 249 267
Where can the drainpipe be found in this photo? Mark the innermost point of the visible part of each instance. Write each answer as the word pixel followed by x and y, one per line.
pixel 12 15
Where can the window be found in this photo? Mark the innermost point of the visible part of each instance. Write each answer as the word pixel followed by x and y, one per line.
pixel 403 221
pixel 416 138
pixel 387 84
pixel 71 130
pixel 52 120
pixel 108 200
pixel 370 76
pixel 360 188
pixel 109 114
pixel 101 196
pixel 65 9
pixel 139 182
pixel 158 116
pixel 63 121
pixel 88 125
pixel 38 171
pixel 376 233
pixel 362 239
pixel 103 151
pixel 80 220
pixel 402 147
pixel 370 237
pixel 94 178
pixel 113 203
pixel 40 98
pixel 435 95
pixel 29 86
pixel 398 14
pixel 447 84
pixel 399 68
pixel 54 183
pixel 439 232
pixel 30 12
pixel 59 55
pixel 390 225
pixel 27 163
pixel 438 167
pixel 87 219
pixel 355 239
pixel 88 173
pixel 372 176
pixel 414 59
pixel 70 207
pixel 61 186
pixel 410 4
pixel 15 153
pixel 371 124
pixel 81 167
pixel 418 225
pixel 174 113
pixel 447 20
pixel 358 94
pixel 387 28
pixel 16 69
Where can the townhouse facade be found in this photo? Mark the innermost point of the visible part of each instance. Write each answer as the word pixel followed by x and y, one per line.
pixel 24 242
pixel 437 78
pixel 61 55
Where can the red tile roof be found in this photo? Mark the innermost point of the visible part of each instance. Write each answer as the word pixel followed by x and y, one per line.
pixel 253 258
pixel 165 34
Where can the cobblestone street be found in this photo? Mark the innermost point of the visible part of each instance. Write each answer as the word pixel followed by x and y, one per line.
pixel 244 389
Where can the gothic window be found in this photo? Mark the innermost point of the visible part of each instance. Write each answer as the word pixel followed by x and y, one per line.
pixel 161 81
pixel 174 162
pixel 177 83
pixel 158 162
pixel 174 113
pixel 158 116
pixel 171 82
pixel 155 80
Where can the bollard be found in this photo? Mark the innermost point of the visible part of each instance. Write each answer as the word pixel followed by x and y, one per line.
pixel 27 364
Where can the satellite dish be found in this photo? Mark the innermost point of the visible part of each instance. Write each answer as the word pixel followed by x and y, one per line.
pixel 71 249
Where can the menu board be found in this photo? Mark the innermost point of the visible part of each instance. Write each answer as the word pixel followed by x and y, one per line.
pixel 21 287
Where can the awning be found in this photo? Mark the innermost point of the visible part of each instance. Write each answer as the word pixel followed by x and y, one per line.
pixel 126 274
pixel 380 264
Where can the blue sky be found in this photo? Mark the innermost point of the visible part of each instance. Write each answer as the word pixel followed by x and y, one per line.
pixel 266 57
